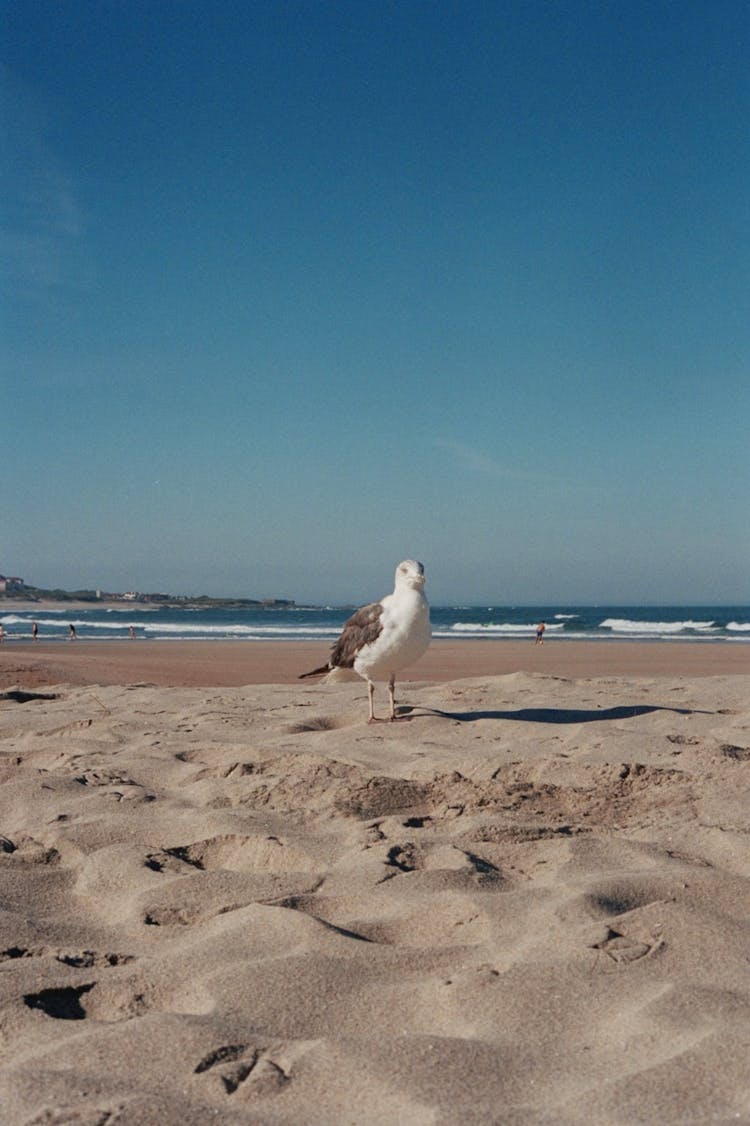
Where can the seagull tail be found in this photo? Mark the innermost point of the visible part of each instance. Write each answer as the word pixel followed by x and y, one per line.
pixel 315 672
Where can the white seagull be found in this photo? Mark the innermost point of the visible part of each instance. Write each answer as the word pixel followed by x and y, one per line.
pixel 384 637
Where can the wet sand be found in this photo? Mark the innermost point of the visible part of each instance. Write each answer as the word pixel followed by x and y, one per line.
pixel 216 663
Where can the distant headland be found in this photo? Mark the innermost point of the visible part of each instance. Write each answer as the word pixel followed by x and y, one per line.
pixel 15 589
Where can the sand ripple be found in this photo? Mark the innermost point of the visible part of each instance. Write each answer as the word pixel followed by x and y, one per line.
pixel 525 902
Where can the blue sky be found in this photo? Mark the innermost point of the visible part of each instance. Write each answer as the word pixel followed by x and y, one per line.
pixel 291 291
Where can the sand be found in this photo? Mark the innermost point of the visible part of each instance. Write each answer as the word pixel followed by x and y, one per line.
pixel 526 902
pixel 219 663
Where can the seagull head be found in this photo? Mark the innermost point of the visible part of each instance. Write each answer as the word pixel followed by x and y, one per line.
pixel 410 574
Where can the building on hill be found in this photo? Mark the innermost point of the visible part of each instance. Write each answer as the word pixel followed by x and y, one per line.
pixel 10 585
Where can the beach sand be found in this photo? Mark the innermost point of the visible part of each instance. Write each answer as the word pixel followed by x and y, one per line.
pixel 234 900
pixel 234 663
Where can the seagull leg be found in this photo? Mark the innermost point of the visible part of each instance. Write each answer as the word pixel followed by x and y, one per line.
pixel 391 695
pixel 371 696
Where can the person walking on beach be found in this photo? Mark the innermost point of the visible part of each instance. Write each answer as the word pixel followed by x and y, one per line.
pixel 72 632
pixel 35 631
pixel 540 633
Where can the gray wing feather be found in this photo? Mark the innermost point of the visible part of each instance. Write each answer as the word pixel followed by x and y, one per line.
pixel 362 628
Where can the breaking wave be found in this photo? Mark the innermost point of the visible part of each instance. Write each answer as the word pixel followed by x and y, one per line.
pixel 625 625
pixel 695 623
pixel 507 628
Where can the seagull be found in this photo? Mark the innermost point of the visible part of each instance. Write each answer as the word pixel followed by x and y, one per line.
pixel 383 637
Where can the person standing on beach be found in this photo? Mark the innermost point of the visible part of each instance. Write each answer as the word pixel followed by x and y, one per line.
pixel 540 633
pixel 132 633
pixel 2 633
pixel 72 632
pixel 35 631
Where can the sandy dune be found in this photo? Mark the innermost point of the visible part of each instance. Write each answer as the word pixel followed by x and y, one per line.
pixel 524 903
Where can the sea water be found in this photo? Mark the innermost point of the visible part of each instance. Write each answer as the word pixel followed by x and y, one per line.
pixel 323 623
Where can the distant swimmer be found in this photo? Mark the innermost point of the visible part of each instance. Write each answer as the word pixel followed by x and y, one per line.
pixel 35 631
pixel 540 633
pixel 72 632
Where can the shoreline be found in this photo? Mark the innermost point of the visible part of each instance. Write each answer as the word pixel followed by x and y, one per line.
pixel 27 664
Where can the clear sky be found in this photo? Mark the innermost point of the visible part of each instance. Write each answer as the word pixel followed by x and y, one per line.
pixel 291 291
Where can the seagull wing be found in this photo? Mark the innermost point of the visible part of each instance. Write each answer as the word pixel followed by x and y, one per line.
pixel 362 629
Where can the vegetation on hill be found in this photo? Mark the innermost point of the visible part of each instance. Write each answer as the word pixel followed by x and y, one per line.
pixel 203 601
pixel 37 594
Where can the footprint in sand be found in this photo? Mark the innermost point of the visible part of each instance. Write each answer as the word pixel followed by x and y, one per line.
pixel 176 916
pixel 109 1001
pixel 626 898
pixel 238 1064
pixel 381 796
pixel 28 850
pixel 233 853
pixel 89 958
pixel 165 861
pixel 82 1114
pixel 63 1003
pixel 318 723
pixel 82 959
pixel 405 858
pixel 89 1001
pixel 230 770
pixel 621 949
pixel 440 867
pixel 206 890
pixel 737 754
pixel 104 777
pixel 374 834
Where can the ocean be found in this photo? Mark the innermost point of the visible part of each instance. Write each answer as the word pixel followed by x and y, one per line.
pixel 323 623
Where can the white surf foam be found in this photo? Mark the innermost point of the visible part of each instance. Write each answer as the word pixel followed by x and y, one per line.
pixel 625 625
pixel 235 630
pixel 507 628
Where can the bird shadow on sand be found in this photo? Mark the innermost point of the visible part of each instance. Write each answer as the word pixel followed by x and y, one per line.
pixel 550 715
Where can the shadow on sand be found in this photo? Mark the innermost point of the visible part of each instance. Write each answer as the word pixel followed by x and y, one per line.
pixel 551 715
